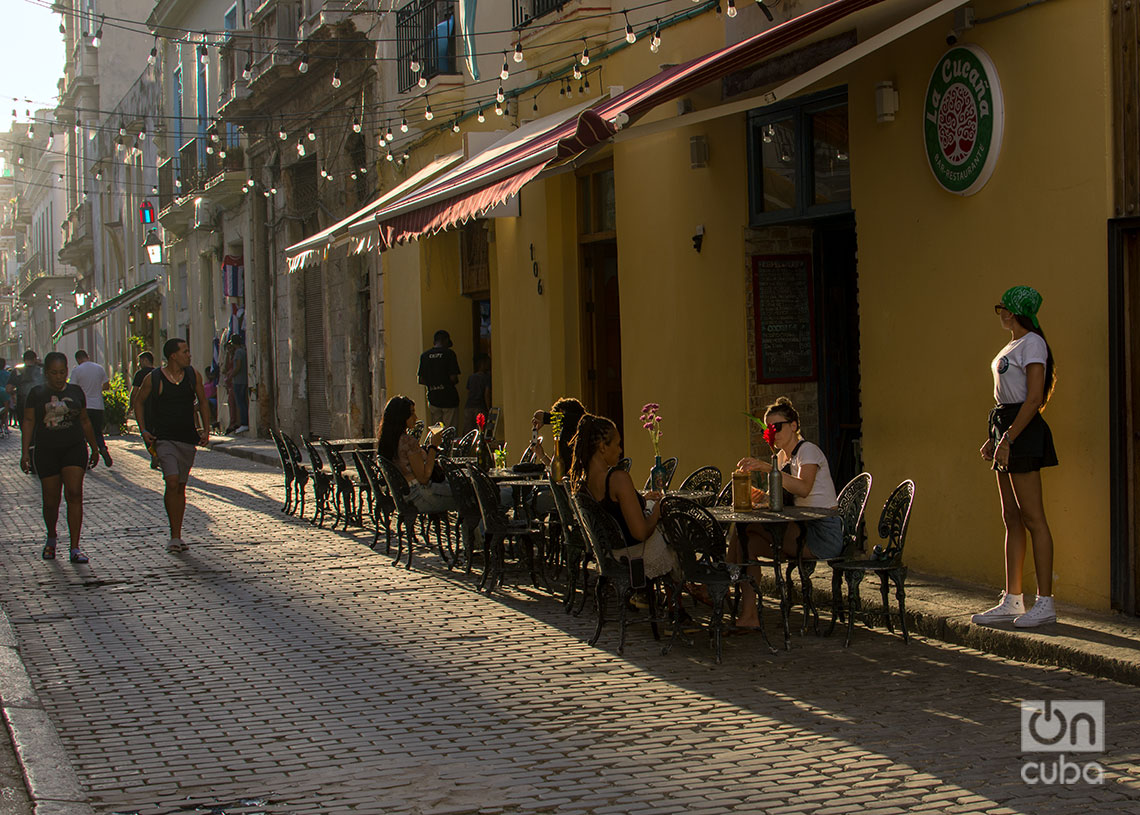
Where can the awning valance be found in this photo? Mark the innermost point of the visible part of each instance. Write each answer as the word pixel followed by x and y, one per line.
pixel 485 181
pixel 97 313
pixel 314 249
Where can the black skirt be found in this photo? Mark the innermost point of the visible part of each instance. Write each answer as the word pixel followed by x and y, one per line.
pixel 1033 447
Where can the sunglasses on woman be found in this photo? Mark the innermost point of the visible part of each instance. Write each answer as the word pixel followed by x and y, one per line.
pixel 778 426
pixel 999 308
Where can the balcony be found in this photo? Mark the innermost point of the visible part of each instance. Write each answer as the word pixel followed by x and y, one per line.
pixel 78 242
pixel 563 21
pixel 37 271
pixel 327 14
pixel 425 33
pixel 225 177
pixel 236 54
pixel 275 33
pixel 189 173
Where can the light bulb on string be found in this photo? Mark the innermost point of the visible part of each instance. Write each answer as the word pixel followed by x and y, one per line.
pixel 221 154
pixel 303 65
pixel 281 134
pixel 535 106
pixel 480 117
pixel 561 88
pixel 301 148
pixel 363 171
pixel 247 72
pixel 312 135
pixel 336 78
pixel 209 149
pixel 498 109
pixel 428 114
pixel 423 82
pixel 352 176
pixel 203 52
pixel 355 124
pixel 585 58
pixel 152 58
pixel 518 52
pixel 569 90
pixel 389 157
pixel 122 131
pixel 31 132
pixel 388 137
pixel 97 40
pixel 577 71
pixel 414 65
pixel 455 126
pixel 587 82
pixel 505 74
pixel 499 95
pixel 403 124
pixel 51 139
pixel 655 43
pixel 731 8
pixel 142 133
pixel 630 36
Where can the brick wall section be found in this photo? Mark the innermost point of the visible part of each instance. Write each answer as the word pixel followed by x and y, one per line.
pixel 776 240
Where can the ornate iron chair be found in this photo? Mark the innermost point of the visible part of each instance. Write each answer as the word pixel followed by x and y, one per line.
pixel 447 440
pixel 465 447
pixel 604 536
pixel 286 470
pixel 344 498
pixel 323 480
pixel 365 488
pixel 700 545
pixel 382 504
pixel 576 550
pixel 406 512
pixel 625 464
pixel 418 430
pixel 301 474
pixel 724 497
pixel 885 561
pixel 469 514
pixel 670 465
pixel 704 479
pixel 499 528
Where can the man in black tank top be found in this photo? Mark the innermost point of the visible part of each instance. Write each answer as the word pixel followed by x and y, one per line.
pixel 170 392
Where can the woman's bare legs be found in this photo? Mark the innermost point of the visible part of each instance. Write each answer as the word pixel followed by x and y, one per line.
pixel 1026 488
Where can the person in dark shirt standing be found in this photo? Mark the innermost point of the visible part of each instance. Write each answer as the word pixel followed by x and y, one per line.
pixel 55 421
pixel 439 373
pixel 478 392
pixel 172 391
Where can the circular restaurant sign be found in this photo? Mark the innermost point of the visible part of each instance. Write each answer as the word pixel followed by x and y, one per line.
pixel 963 118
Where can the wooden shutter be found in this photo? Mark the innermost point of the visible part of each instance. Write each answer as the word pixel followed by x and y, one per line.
pixel 319 419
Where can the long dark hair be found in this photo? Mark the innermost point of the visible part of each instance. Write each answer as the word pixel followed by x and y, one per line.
pixel 1050 373
pixel 593 431
pixel 393 425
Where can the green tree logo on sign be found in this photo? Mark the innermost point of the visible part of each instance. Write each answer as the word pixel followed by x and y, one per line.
pixel 963 119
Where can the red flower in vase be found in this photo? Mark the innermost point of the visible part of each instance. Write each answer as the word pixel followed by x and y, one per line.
pixel 480 421
pixel 770 437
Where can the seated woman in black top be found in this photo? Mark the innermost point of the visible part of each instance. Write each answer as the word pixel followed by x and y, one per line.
pixel 55 416
pixel 597 450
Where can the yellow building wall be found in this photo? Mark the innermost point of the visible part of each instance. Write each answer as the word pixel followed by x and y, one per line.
pixel 403 323
pixel 683 312
pixel 932 264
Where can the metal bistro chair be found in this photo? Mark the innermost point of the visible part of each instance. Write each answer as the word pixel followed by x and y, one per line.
pixel 405 511
pixel 670 465
pixel 364 488
pixel 286 470
pixel 344 498
pixel 499 528
pixel 301 475
pixel 700 545
pixel 382 503
pixel 704 479
pixel 886 561
pixel 323 480
pixel 852 500
pixel 469 514
pixel 465 447
pixel 418 429
pixel 604 536
pixel 625 464
pixel 576 550
pixel 724 497
pixel 447 440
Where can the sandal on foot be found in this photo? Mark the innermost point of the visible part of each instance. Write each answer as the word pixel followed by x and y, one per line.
pixel 77 556
pixel 48 552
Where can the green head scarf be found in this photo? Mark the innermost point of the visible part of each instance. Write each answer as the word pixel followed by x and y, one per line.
pixel 1023 301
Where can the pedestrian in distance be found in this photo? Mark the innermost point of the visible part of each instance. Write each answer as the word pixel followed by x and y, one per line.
pixel 439 373
pixel 56 425
pixel 171 392
pixel 1020 444
pixel 146 365
pixel 241 382
pixel 92 377
pixel 24 378
pixel 5 398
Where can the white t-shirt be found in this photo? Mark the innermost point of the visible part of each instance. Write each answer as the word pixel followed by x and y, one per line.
pixel 1009 368
pixel 823 490
pixel 90 376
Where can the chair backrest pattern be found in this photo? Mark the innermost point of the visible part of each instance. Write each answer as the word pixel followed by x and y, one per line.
pixel 695 536
pixel 314 456
pixel 397 485
pixel 447 440
pixel 466 445
pixel 724 499
pixel 461 487
pixel 336 460
pixel 852 502
pixel 571 530
pixel 494 516
pixel 703 479
pixel 895 518
pixel 599 527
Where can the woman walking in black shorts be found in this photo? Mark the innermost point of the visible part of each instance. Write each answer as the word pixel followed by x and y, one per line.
pixel 55 417
pixel 1019 445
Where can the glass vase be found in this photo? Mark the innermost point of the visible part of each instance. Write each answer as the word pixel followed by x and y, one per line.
pixel 658 476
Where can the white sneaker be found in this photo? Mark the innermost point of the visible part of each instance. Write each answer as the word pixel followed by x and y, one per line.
pixel 175 546
pixel 1042 613
pixel 1010 607
pixel 242 429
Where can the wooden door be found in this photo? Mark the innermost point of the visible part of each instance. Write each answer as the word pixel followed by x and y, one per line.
pixel 601 333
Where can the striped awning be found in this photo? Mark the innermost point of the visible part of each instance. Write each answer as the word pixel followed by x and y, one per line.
pixel 99 312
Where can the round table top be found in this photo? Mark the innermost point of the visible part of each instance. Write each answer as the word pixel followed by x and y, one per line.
pixel 763 515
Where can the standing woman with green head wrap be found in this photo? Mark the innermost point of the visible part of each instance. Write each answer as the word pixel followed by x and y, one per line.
pixel 1019 445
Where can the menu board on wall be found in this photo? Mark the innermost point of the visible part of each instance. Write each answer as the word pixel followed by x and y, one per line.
pixel 784 314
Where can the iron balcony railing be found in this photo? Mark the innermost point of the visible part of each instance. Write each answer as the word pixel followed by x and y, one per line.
pixel 425 34
pixel 527 10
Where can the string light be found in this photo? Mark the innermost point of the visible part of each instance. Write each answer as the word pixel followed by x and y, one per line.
pixel 731 8
pixel 499 95
pixel 31 132
pixel 480 117
pixel 281 134
pixel 312 135
pixel 152 58
pixel 222 154
pixel 247 71
pixel 203 52
pixel 535 106
pixel 389 157
pixel 403 124
pixel 428 114
pixel 655 43
pixel 455 126
pixel 415 65
pixel 577 71
pixel 498 109
pixel 518 52
pixel 51 138
pixel 355 124
pixel 423 81
pixel 301 148
pixel 585 58
pixel 142 133
pixel 388 137
pixel 336 77
pixel 303 66
pixel 505 74
pixel 630 37
pixel 98 38
pixel 363 171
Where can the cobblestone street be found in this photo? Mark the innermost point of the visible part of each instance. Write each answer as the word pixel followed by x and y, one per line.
pixel 278 667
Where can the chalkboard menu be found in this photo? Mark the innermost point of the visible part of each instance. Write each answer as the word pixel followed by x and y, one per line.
pixel 784 314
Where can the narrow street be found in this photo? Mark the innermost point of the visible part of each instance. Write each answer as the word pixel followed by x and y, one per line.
pixel 282 668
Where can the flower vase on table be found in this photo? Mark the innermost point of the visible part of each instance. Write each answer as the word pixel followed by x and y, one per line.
pixel 658 475
pixel 482 452
pixel 651 421
pixel 775 477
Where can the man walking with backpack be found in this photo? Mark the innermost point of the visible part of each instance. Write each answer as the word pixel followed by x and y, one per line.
pixel 171 392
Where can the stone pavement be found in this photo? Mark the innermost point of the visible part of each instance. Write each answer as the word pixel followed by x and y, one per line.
pixel 281 668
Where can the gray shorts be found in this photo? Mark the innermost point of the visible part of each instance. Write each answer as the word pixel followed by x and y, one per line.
pixel 825 537
pixel 175 458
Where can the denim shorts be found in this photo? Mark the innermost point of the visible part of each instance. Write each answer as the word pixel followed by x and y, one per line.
pixel 825 537
pixel 432 498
